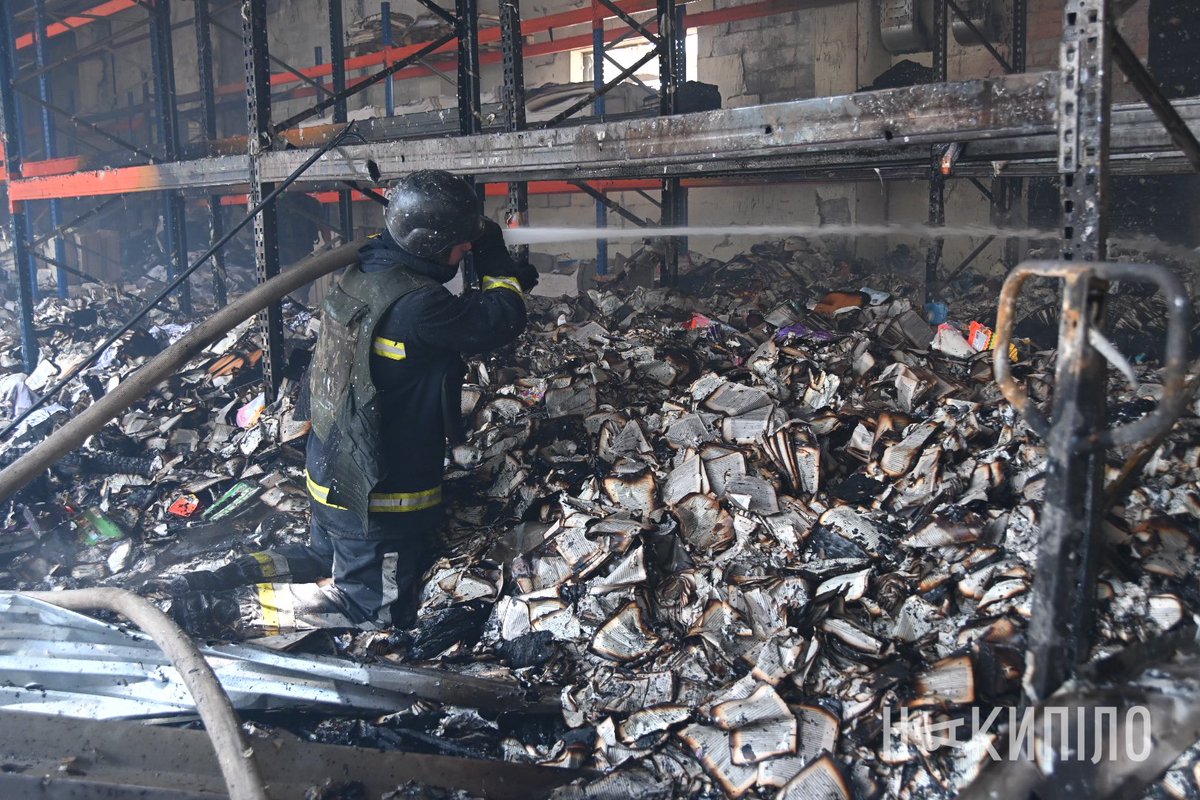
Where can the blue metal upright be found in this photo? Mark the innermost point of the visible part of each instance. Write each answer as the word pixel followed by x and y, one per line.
pixel 43 22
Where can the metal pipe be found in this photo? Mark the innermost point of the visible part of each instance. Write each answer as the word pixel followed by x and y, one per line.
pixel 162 366
pixel 234 755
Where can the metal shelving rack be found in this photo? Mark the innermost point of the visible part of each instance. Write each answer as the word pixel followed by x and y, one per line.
pixel 898 133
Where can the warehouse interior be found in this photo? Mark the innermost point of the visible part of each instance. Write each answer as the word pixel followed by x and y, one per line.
pixel 851 449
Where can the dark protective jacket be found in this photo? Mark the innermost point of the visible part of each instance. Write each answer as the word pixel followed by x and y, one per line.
pixel 396 443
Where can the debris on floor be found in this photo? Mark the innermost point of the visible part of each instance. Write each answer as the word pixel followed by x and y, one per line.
pixel 735 524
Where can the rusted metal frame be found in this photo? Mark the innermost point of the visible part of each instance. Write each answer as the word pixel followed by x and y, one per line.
pixel 44 91
pixel 360 85
pixel 610 204
pixel 980 37
pixel 1152 93
pixel 937 181
pixel 167 113
pixel 202 23
pixel 1060 628
pixel 266 238
pixel 512 45
pixel 96 129
pixel 337 58
pixel 654 38
pixel 23 264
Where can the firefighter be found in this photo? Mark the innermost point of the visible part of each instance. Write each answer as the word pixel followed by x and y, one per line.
pixel 383 395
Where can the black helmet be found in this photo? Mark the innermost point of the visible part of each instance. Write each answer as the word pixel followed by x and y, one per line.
pixel 431 211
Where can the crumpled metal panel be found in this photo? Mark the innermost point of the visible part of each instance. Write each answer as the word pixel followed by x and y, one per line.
pixel 54 661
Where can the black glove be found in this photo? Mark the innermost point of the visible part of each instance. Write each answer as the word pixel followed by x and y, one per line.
pixel 492 258
pixel 490 252
pixel 526 275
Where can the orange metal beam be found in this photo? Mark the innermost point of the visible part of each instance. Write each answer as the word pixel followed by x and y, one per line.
pixel 87 184
pixel 85 18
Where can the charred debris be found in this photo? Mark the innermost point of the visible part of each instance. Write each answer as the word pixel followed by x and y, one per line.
pixel 706 535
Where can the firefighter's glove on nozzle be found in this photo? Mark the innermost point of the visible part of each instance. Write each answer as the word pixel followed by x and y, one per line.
pixel 492 258
pixel 526 275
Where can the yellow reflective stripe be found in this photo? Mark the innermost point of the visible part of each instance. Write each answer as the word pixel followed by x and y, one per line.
pixel 269 605
pixel 380 501
pixel 388 348
pixel 404 501
pixel 267 565
pixel 319 493
pixel 504 282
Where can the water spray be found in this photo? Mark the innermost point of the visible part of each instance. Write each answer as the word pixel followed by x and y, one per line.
pixel 538 235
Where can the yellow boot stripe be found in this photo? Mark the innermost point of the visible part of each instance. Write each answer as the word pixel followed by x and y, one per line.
pixel 268 602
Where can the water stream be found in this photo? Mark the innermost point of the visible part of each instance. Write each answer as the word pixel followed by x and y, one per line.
pixel 555 235
pixel 539 235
